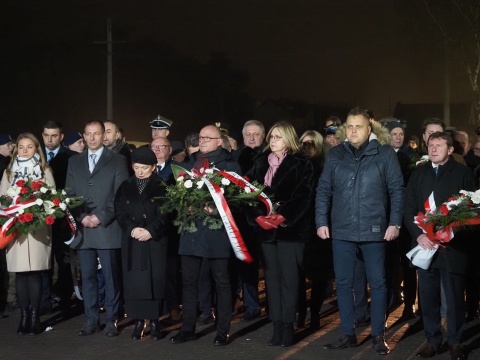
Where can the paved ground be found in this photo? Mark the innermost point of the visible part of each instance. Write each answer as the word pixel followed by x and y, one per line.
pixel 248 341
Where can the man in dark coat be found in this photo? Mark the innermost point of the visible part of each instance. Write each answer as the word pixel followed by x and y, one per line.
pixel 443 177
pixel 96 175
pixel 206 245
pixel 57 157
pixel 360 197
pixel 114 142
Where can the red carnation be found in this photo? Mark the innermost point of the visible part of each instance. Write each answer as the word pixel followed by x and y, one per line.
pixel 20 183
pixel 24 190
pixel 21 218
pixel 36 185
pixel 49 220
pixel 183 173
pixel 56 201
pixel 444 209
pixel 28 217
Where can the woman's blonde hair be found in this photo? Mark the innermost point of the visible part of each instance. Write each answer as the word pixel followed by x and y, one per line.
pixel 38 150
pixel 289 135
pixel 317 141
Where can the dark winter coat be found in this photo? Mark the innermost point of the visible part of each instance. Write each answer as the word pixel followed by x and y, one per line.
pixel 206 242
pixel 143 262
pixel 354 194
pixel 292 187
pixel 451 178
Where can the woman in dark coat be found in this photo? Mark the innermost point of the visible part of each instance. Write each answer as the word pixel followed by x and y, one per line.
pixel 288 176
pixel 144 243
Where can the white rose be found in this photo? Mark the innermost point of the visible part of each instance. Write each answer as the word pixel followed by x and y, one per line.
pixel 54 192
pixel 64 192
pixel 200 184
pixel 48 205
pixel 209 171
pixel 248 190
pixel 39 202
pixel 43 189
pixel 13 191
pixel 67 201
pixel 180 178
pixel 225 182
pixel 63 206
pixel 188 184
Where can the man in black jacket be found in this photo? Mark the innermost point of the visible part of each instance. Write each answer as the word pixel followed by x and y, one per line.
pixel 360 198
pixel 57 157
pixel 443 177
pixel 206 245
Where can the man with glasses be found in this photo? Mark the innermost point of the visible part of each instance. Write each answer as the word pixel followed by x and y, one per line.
pixel 208 245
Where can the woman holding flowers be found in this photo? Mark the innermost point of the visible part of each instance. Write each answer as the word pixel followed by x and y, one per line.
pixel 288 176
pixel 144 243
pixel 28 254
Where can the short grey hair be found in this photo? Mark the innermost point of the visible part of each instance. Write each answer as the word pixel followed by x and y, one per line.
pixel 256 123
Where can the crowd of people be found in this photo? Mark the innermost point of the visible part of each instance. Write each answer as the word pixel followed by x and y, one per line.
pixel 344 204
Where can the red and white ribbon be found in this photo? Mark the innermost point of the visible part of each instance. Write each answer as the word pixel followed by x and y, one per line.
pixel 10 212
pixel 430 205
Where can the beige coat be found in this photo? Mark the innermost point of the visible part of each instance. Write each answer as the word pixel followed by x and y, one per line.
pixel 30 252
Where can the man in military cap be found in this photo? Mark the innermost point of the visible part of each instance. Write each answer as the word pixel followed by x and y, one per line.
pixel 160 127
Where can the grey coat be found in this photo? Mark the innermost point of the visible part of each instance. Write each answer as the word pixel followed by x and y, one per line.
pixel 98 189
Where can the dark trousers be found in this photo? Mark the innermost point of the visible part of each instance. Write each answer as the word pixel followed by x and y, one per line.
pixel 344 260
pixel 112 272
pixel 4 283
pixel 429 288
pixel 205 289
pixel 409 274
pixel 248 279
pixel 173 283
pixel 360 291
pixel 191 266
pixel 29 289
pixel 283 261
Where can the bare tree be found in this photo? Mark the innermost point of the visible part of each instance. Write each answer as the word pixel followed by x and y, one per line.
pixel 459 23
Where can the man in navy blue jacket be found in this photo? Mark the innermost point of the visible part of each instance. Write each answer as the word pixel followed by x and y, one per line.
pixel 359 204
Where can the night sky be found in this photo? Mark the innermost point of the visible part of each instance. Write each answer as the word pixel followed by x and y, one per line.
pixel 371 53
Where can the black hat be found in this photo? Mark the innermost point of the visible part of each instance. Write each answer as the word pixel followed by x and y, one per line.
pixel 177 147
pixel 161 123
pixel 393 125
pixel 5 139
pixel 72 138
pixel 143 155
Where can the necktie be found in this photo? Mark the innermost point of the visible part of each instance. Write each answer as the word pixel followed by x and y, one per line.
pixel 159 169
pixel 436 170
pixel 92 162
pixel 50 156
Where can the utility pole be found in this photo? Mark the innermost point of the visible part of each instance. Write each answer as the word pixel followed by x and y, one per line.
pixel 109 71
pixel 446 94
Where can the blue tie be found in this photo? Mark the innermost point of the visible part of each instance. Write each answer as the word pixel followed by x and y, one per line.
pixel 436 170
pixel 50 156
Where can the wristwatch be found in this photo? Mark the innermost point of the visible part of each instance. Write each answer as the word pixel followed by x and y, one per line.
pixel 398 227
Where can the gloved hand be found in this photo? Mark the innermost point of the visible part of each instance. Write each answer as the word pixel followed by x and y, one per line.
pixel 269 222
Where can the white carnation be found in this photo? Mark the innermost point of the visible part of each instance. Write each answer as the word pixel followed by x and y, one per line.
pixel 209 171
pixel 43 189
pixel 39 202
pixel 63 206
pixel 20 211
pixel 188 184
pixel 64 192
pixel 225 182
pixel 200 184
pixel 248 190
pixel 54 192
pixel 67 201
pixel 48 205
pixel 180 178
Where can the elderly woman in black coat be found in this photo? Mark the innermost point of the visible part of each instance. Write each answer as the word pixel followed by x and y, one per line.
pixel 144 243
pixel 288 176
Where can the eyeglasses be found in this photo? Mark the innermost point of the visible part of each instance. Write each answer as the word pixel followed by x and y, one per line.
pixel 275 137
pixel 206 138
pixel 159 147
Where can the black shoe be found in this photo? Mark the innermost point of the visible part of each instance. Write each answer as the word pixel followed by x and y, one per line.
pixel 89 329
pixel 138 330
pixel 182 337
pixel 380 346
pixel 35 322
pixel 407 314
pixel 456 352
pixel 24 326
pixel 155 332
pixel 249 317
pixel 111 329
pixel 287 338
pixel 220 340
pixel 205 319
pixel 277 336
pixel 342 342
pixel 427 351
